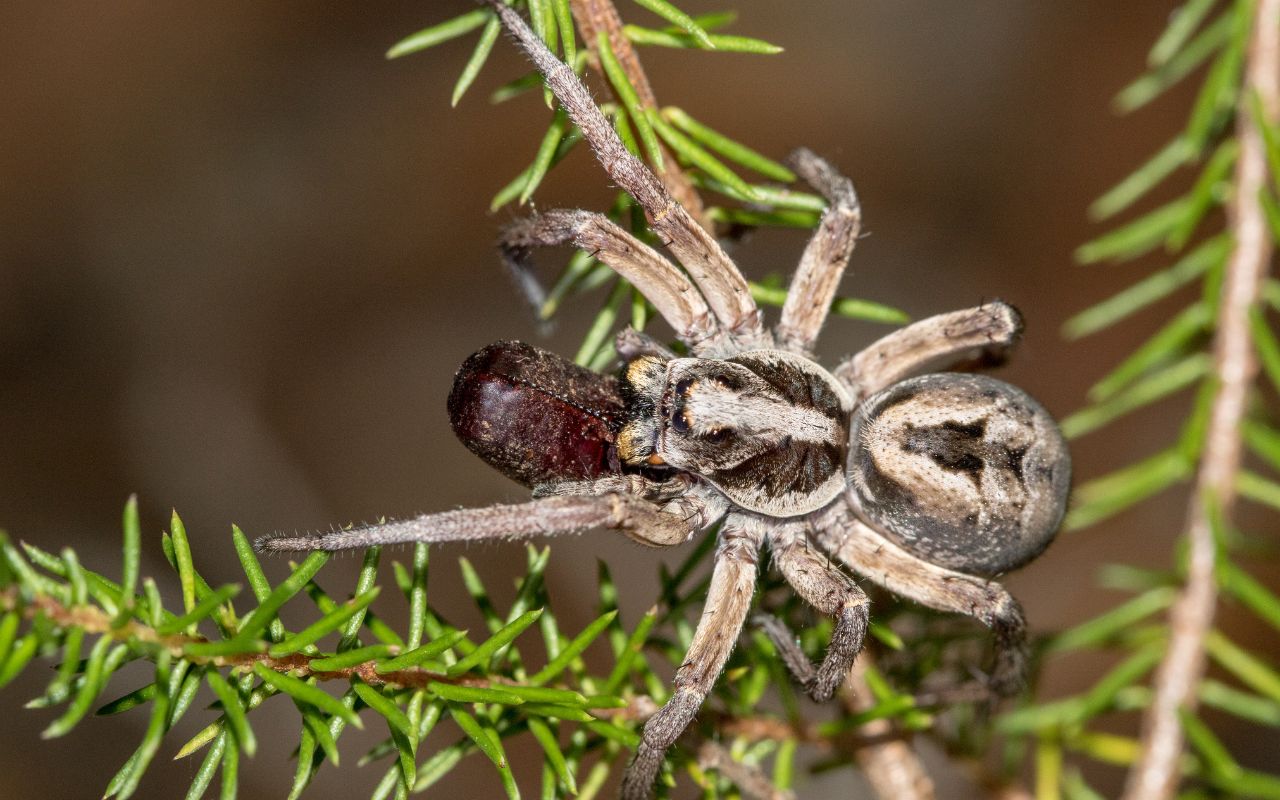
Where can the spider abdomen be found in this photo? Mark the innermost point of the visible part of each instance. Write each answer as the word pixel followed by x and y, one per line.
pixel 963 470
pixel 536 417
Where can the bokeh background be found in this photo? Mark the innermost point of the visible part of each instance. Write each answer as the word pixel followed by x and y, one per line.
pixel 241 256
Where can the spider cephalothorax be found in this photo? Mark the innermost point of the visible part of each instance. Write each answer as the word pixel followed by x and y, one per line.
pixel 921 482
pixel 769 429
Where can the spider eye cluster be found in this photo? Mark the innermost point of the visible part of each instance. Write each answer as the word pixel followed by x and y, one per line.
pixel 964 470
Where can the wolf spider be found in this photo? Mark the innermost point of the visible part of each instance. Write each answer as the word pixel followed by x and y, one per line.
pixel 927 484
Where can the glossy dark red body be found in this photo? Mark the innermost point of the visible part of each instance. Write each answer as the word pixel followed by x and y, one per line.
pixel 536 417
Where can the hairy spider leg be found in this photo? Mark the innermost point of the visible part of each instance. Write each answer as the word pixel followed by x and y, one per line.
pixel 831 592
pixel 546 516
pixel 733 582
pixel 825 256
pixel 931 344
pixel 698 252
pixel 860 548
pixel 662 284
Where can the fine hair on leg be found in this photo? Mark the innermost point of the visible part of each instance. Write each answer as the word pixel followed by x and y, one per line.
pixel 547 516
pixel 930 345
pixel 733 580
pixel 831 592
pixel 825 256
pixel 661 283
pixel 865 551
pixel 699 253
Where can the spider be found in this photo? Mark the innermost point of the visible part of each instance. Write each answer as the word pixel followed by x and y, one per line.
pixel 927 484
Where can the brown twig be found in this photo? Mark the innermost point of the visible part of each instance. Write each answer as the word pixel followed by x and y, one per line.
pixel 1155 776
pixel 891 767
pixel 596 16
pixel 748 778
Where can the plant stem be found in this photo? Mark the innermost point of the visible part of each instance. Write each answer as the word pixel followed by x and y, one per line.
pixel 594 16
pixel 1156 774
pixel 891 767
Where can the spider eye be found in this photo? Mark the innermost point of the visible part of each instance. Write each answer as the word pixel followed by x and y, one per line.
pixel 718 436
pixel 680 422
pixel 682 386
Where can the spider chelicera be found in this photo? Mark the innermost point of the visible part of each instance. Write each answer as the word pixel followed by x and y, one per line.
pixel 927 484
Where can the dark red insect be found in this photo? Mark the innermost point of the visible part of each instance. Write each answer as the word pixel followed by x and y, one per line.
pixel 536 417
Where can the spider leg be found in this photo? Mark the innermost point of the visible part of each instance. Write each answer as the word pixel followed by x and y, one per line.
pixel 697 250
pixel 671 293
pixel 931 344
pixel 830 591
pixel 868 553
pixel 546 516
pixel 825 257
pixel 631 344
pixel 733 582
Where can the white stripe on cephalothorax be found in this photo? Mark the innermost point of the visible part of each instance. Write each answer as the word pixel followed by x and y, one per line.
pixel 711 406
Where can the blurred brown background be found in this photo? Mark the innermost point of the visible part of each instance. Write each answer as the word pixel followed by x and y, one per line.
pixel 241 256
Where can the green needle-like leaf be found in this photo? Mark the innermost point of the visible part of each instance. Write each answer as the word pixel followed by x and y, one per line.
pixel 1154 287
pixel 101 663
pixel 234 708
pixel 546 738
pixel 1267 346
pixel 473 694
pixel 182 556
pixel 630 100
pixel 420 654
pixel 327 624
pixel 721 42
pixel 306 693
pixel 573 649
pixel 546 154
pixel 680 19
pixel 1155 83
pixel 1209 190
pixel 1167 344
pixel 417 596
pixel 1135 238
pixel 481 54
pixel 1216 756
pixel 1241 704
pixel 132 557
pixel 201 611
pixel 1258 489
pixel 849 307
pixel 480 736
pixel 386 708
pixel 1250 592
pixel 564 21
pixel 351 658
pixel 493 644
pixel 204 775
pixel 1104 627
pixel 1250 669
pixel 1263 442
pixel 1182 24
pixel 230 773
pixel 1116 491
pixel 1143 179
pixel 1159 384
pixel 690 152
pixel 539 694
pixel 258 582
pixel 266 611
pixel 597 337
pixel 730 149
pixel 364 584
pixel 479 594
pixel 443 32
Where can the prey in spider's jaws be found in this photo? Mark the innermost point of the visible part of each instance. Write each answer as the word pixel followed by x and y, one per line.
pixel 923 482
